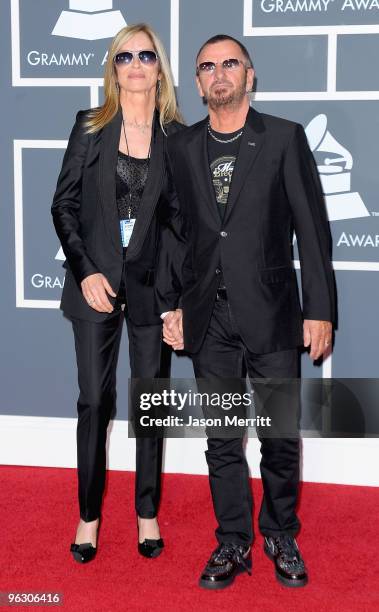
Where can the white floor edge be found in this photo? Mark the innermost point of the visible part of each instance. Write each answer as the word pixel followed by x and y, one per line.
pixel 51 442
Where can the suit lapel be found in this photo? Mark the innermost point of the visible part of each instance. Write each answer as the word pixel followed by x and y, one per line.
pixel 151 190
pixel 198 159
pixel 107 179
pixel 252 141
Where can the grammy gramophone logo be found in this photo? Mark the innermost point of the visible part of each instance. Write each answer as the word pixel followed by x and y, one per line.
pixel 335 172
pixel 60 256
pixel 89 20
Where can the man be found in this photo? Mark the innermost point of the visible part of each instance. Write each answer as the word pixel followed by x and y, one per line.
pixel 245 181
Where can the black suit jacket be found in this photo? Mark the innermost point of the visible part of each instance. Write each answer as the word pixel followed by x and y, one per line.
pixel 86 219
pixel 275 188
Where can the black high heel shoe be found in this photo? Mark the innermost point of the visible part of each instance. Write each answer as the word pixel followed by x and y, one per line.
pixel 150 548
pixel 83 553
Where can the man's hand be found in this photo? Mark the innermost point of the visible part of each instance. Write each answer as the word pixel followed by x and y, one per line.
pixel 94 289
pixel 317 335
pixel 173 329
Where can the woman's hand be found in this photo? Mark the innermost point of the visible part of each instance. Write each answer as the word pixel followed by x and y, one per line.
pixel 173 329
pixel 94 289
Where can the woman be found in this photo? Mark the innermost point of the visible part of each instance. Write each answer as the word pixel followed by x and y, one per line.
pixel 112 194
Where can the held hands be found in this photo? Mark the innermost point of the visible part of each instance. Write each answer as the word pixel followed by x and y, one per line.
pixel 173 329
pixel 94 289
pixel 317 335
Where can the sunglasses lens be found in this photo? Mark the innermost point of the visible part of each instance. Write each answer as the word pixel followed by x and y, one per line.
pixel 207 66
pixel 147 57
pixel 123 58
pixel 231 64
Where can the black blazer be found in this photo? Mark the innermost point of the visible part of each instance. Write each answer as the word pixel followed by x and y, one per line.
pixel 275 188
pixel 86 219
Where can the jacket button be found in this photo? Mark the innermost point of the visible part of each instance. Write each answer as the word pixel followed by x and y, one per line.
pixel 224 234
pixel 218 271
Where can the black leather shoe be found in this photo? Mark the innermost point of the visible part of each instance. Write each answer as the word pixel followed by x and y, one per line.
pixel 83 552
pixel 150 548
pixel 289 566
pixel 226 562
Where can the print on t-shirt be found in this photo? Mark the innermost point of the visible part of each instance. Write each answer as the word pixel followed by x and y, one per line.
pixel 222 171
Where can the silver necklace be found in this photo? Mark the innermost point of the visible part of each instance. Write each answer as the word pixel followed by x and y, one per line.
pixel 219 139
pixel 148 160
pixel 142 127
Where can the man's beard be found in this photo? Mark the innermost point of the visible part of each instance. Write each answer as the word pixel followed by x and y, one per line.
pixel 222 98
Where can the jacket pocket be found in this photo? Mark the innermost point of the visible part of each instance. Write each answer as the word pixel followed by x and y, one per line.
pixel 280 274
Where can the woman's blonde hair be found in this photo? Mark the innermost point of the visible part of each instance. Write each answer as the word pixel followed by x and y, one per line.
pixel 165 100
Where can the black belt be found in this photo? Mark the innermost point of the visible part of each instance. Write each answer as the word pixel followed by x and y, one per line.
pixel 221 294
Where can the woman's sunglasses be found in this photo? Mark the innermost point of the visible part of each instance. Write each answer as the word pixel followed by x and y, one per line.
pixel 148 58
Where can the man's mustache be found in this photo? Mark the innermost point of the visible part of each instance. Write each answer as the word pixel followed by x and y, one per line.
pixel 220 83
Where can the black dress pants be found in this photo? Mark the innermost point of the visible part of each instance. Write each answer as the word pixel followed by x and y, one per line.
pixel 224 355
pixel 97 346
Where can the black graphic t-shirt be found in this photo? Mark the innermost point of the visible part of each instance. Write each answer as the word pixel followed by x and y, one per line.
pixel 222 158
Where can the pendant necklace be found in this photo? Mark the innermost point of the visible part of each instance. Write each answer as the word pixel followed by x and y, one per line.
pixel 148 157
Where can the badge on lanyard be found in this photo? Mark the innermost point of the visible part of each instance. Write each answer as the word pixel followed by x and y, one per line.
pixel 126 226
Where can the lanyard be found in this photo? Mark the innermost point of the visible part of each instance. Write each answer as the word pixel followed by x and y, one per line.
pixel 148 157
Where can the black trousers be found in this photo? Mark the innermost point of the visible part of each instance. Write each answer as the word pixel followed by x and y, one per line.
pixel 97 346
pixel 224 355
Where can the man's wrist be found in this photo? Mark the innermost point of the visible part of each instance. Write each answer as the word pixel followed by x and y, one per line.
pixel 164 314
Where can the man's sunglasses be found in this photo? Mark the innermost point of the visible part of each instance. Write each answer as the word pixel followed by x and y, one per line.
pixel 228 64
pixel 148 58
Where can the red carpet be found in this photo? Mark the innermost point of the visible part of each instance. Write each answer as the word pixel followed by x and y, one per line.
pixel 38 518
